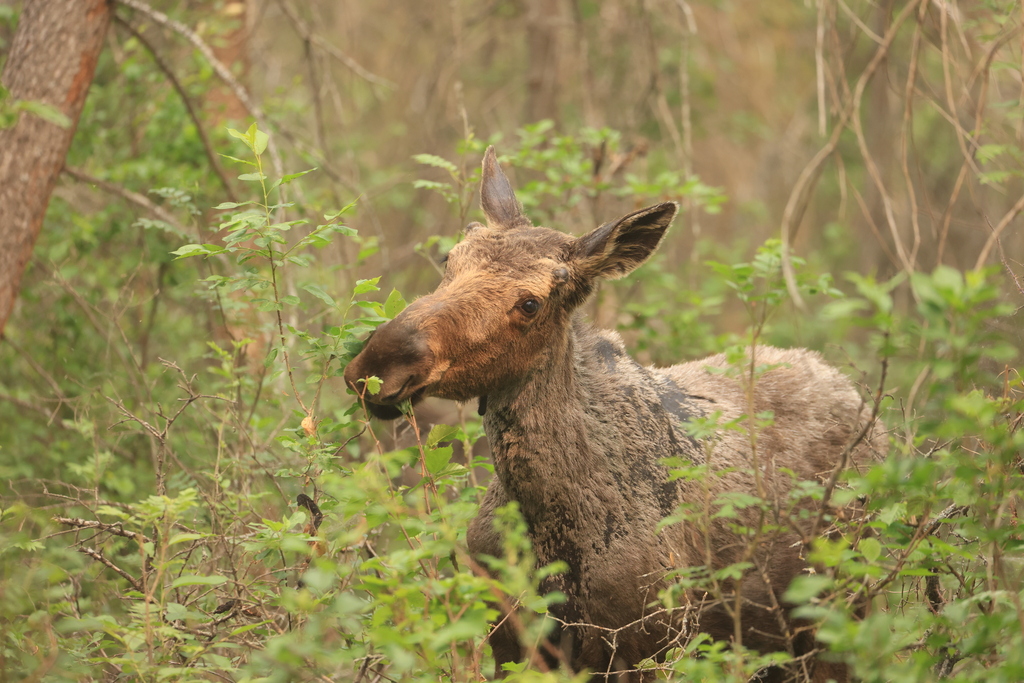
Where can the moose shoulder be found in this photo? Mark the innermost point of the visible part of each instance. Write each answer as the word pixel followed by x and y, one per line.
pixel 579 431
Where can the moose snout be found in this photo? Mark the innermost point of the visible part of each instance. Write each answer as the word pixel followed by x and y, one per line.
pixel 396 354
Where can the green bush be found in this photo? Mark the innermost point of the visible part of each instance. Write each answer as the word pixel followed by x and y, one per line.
pixel 228 513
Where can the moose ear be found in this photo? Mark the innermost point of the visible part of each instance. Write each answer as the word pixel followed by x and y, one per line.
pixel 496 196
pixel 618 247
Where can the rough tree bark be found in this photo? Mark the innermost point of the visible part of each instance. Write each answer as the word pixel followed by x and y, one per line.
pixel 52 60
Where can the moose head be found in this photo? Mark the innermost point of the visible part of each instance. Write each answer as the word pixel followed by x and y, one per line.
pixel 507 297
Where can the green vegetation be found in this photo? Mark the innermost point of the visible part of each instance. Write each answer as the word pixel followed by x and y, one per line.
pixel 188 492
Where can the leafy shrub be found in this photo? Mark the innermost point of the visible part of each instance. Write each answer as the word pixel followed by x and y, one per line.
pixel 244 517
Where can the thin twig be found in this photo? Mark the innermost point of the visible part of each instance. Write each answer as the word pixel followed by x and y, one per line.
pixel 41 371
pixel 883 192
pixel 997 231
pixel 983 70
pixel 128 195
pixel 218 68
pixel 187 101
pixel 799 197
pixel 819 69
pixel 906 135
pixel 686 117
pixel 98 556
pixel 302 28
pixel 47 664
pixel 115 529
pixel 860 24
pixel 961 135
pixel 840 467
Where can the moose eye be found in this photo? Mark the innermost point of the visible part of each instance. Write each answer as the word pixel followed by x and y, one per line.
pixel 529 306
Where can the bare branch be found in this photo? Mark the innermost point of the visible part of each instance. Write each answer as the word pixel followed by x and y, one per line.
pixel 189 107
pixel 997 231
pixel 98 556
pixel 218 67
pixel 129 196
pixel 800 196
pixel 115 529
pixel 306 33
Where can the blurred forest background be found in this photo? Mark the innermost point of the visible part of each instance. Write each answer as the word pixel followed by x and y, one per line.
pixel 159 415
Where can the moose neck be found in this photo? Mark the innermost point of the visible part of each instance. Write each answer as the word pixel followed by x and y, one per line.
pixel 543 417
pixel 581 428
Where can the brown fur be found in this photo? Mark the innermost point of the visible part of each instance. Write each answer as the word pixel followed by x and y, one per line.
pixel 578 430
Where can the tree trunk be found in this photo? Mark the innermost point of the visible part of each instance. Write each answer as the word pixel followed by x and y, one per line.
pixel 543 27
pixel 52 60
pixel 230 48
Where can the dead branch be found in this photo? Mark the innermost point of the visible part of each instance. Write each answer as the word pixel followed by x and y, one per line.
pixel 115 529
pixel 129 196
pixel 99 557
pixel 997 231
pixel 800 196
pixel 218 67
pixel 187 101
pixel 307 34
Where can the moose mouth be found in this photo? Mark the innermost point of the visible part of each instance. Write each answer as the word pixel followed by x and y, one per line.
pixel 396 397
pixel 387 408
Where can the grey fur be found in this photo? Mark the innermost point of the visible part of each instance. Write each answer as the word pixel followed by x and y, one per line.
pixel 597 506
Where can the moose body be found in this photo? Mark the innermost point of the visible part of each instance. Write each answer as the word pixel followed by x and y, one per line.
pixel 579 432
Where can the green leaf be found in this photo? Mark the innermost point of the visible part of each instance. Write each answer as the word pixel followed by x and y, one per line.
pixel 319 294
pixel 241 161
pixel 364 286
pixel 291 300
pixel 46 112
pixel 244 137
pixel 394 305
pixel 247 627
pixel 870 548
pixel 441 433
pixel 265 305
pixel 184 538
pixel 372 385
pixel 374 306
pixel 176 612
pixel 805 587
pixel 437 162
pixel 345 209
pixel 190 250
pixel 421 184
pixel 916 571
pixel 292 176
pixel 251 176
pixel 111 511
pixel 196 580
pixel 436 458
pixel 260 140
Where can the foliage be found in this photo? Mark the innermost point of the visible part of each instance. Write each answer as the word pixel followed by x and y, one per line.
pixel 368 570
pixel 189 493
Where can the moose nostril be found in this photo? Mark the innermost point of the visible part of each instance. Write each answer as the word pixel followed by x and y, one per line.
pixel 398 355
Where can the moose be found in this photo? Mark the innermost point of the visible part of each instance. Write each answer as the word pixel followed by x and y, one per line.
pixel 579 434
